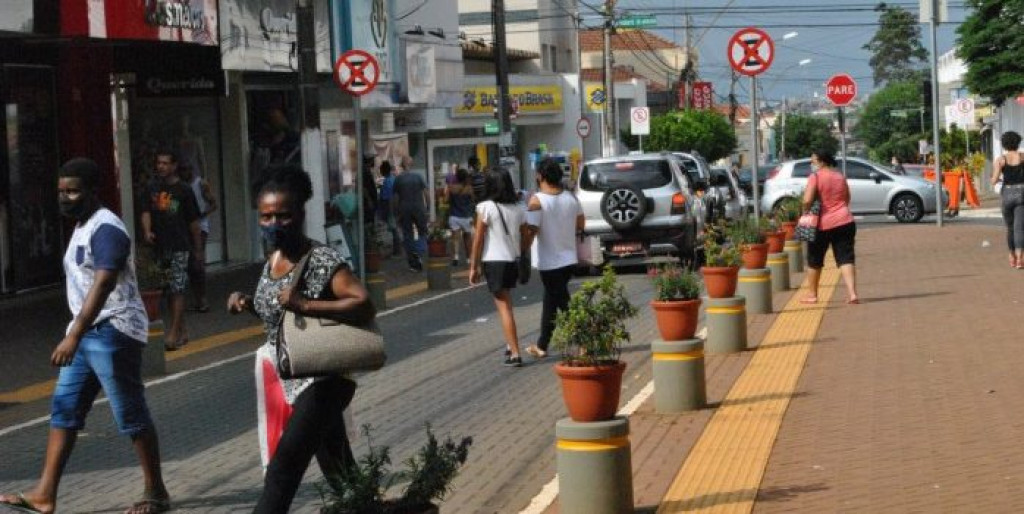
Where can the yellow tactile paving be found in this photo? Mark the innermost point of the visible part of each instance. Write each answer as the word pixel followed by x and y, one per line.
pixel 723 471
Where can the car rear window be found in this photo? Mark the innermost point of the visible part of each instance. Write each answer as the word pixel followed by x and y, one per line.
pixel 802 169
pixel 645 174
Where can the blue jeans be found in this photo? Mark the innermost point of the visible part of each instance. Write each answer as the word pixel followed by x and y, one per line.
pixel 1013 215
pixel 109 359
pixel 413 246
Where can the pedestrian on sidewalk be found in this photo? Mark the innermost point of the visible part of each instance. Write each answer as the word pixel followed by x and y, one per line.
pixel 386 207
pixel 298 418
pixel 836 227
pixel 170 220
pixel 1009 168
pixel 410 191
pixel 460 216
pixel 497 244
pixel 206 202
pixel 555 218
pixel 102 348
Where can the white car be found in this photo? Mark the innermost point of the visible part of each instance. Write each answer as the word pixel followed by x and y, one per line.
pixel 874 189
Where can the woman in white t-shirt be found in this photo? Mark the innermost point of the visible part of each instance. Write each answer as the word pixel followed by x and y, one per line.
pixel 497 244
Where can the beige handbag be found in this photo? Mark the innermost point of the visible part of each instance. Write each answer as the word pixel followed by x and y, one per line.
pixel 310 346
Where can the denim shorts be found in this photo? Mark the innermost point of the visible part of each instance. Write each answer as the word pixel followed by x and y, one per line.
pixel 105 359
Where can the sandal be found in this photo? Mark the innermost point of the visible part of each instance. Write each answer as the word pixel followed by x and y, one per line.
pixel 20 504
pixel 809 300
pixel 150 506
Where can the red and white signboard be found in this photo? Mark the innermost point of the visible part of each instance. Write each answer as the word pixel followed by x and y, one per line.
pixel 841 89
pixel 583 127
pixel 751 51
pixel 356 72
pixel 640 121
pixel 703 94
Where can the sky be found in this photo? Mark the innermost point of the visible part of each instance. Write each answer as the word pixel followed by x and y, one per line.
pixel 832 40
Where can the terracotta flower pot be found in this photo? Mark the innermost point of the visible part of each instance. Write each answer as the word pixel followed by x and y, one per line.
pixel 789 229
pixel 720 282
pixel 591 393
pixel 151 301
pixel 776 241
pixel 372 261
pixel 437 248
pixel 755 255
pixel 676 319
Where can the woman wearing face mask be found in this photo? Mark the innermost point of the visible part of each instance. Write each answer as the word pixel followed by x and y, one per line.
pixel 298 418
pixel 836 227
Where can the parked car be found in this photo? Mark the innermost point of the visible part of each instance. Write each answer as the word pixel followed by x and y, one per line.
pixel 640 206
pixel 874 189
pixel 762 174
pixel 714 199
pixel 733 201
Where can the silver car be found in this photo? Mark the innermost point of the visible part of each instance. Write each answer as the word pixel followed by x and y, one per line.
pixel 639 206
pixel 874 189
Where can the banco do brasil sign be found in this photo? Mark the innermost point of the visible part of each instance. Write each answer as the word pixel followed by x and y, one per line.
pixel 479 101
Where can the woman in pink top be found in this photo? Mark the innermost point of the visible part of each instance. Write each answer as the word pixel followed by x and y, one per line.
pixel 835 226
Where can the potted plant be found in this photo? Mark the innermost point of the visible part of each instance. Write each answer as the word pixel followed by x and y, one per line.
pixel 372 256
pixel 722 264
pixel 746 233
pixel 773 235
pixel 437 240
pixel 152 279
pixel 590 333
pixel 676 303
pixel 363 487
pixel 787 214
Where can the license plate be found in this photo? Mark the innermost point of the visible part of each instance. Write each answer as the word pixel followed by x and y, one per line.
pixel 624 248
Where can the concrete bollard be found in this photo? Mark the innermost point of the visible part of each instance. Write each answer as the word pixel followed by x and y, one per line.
pixel 377 286
pixel 678 375
pixel 756 286
pixel 778 263
pixel 726 320
pixel 595 473
pixel 795 251
pixel 154 362
pixel 439 273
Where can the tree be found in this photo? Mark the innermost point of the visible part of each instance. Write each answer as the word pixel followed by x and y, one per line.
pixel 890 122
pixel 806 134
pixel 990 43
pixel 702 130
pixel 896 50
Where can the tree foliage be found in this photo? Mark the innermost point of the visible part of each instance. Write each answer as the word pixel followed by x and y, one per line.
pixel 702 130
pixel 806 134
pixel 887 134
pixel 991 42
pixel 896 50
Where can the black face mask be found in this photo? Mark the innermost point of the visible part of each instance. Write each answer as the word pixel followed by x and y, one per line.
pixel 284 237
pixel 74 210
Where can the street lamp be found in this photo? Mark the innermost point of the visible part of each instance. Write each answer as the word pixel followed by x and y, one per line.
pixel 790 35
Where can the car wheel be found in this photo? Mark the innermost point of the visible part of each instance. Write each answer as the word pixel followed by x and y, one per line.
pixel 907 208
pixel 624 207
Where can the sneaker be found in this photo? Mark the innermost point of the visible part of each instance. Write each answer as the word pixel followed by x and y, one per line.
pixel 513 362
pixel 455 263
pixel 416 265
pixel 536 352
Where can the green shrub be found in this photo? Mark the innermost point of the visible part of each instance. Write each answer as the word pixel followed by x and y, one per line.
pixel 592 329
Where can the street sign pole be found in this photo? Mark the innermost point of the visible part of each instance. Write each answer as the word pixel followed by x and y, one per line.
pixel 933 22
pixel 753 146
pixel 361 230
pixel 842 137
pixel 641 143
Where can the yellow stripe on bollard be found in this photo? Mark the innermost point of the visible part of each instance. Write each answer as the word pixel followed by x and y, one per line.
pixel 725 310
pixel 778 261
pixel 375 281
pixel 755 279
pixel 680 356
pixel 595 445
pixel 438 265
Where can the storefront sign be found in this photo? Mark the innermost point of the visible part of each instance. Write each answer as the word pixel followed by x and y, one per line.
pixel 17 17
pixel 196 84
pixel 480 100
pixel 595 97
pixel 260 35
pixel 365 25
pixel 190 21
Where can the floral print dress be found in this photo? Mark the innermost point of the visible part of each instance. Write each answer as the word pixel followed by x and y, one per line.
pixel 274 395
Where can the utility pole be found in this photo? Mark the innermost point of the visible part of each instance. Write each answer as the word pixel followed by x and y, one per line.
pixel 782 134
pixel 934 21
pixel 609 136
pixel 309 99
pixel 506 142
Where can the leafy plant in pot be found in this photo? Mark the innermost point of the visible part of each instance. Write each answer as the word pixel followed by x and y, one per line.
pixel 787 214
pixel 722 264
pixel 437 240
pixel 590 333
pixel 746 233
pixel 374 231
pixel 676 303
pixel 773 234
pixel 152 279
pixel 363 487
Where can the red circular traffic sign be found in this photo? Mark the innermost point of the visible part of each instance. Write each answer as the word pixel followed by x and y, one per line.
pixel 356 72
pixel 583 127
pixel 751 51
pixel 841 89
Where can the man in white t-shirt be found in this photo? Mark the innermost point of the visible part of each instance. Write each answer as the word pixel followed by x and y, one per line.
pixel 554 218
pixel 103 345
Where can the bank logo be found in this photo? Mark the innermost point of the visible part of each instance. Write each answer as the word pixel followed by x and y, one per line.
pixel 379 23
pixel 469 100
